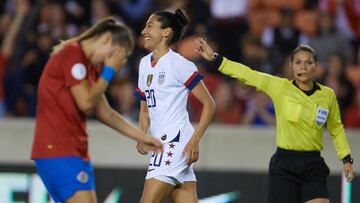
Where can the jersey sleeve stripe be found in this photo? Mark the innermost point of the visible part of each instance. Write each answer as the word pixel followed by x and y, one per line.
pixel 139 94
pixel 193 80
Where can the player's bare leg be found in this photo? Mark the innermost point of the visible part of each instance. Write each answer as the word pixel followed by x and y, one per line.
pixel 185 192
pixel 156 191
pixel 85 196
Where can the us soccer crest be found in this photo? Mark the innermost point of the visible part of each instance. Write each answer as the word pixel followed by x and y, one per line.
pixel 149 79
pixel 161 78
pixel 321 116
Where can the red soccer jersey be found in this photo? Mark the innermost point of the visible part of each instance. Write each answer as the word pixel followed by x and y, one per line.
pixel 60 125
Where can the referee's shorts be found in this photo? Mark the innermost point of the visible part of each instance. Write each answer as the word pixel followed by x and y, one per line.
pixel 296 177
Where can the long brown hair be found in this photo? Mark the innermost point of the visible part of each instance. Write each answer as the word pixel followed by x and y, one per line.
pixel 122 34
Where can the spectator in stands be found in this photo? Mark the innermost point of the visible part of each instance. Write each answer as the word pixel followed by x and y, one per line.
pixel 255 55
pixel 99 10
pixel 282 39
pixel 77 12
pixel 62 19
pixel 336 79
pixel 328 40
pixel 53 20
pixel 347 16
pixel 228 109
pixel 135 11
pixel 259 111
pixel 357 57
pixel 121 92
pixel 229 24
pixel 352 113
pixel 31 67
pixel 8 45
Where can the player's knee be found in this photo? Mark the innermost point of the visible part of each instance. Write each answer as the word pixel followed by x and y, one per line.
pixel 144 200
pixel 83 196
pixel 150 199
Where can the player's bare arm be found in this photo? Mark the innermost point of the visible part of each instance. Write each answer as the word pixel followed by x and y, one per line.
pixel 144 125
pixel 202 94
pixel 113 119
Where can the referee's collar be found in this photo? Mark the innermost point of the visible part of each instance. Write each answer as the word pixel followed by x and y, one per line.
pixel 308 92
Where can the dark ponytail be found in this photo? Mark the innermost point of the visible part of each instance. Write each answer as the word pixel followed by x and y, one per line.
pixel 180 16
pixel 176 21
pixel 122 35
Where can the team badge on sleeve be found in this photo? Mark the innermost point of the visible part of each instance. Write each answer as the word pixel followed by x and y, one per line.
pixel 78 71
pixel 321 116
pixel 149 79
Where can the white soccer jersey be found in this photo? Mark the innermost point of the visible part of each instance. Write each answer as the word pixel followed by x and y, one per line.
pixel 165 87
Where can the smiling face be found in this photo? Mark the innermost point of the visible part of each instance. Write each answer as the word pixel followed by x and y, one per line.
pixel 303 66
pixel 153 34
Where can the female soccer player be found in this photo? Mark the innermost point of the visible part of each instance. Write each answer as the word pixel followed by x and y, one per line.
pixel 69 90
pixel 297 172
pixel 165 81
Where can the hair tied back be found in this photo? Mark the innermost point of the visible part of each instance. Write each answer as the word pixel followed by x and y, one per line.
pixel 180 16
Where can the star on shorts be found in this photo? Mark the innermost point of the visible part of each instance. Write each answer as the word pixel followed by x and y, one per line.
pixel 171 145
pixel 170 154
pixel 167 162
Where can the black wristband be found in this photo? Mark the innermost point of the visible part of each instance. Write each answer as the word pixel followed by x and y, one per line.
pixel 216 60
pixel 348 159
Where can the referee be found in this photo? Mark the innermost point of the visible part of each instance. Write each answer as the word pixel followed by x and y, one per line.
pixel 297 172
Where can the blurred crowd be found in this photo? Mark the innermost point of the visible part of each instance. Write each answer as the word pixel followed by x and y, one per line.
pixel 258 33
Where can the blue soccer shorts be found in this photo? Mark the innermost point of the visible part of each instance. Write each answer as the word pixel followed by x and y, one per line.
pixel 64 176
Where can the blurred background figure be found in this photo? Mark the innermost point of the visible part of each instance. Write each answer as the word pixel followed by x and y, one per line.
pixel 347 16
pixel 134 11
pixel 255 54
pixel 53 19
pixel 352 113
pixel 258 32
pixel 229 24
pixel 10 27
pixel 329 40
pixel 228 108
pixel 99 9
pixel 284 37
pixel 335 77
pixel 260 111
pixel 121 93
